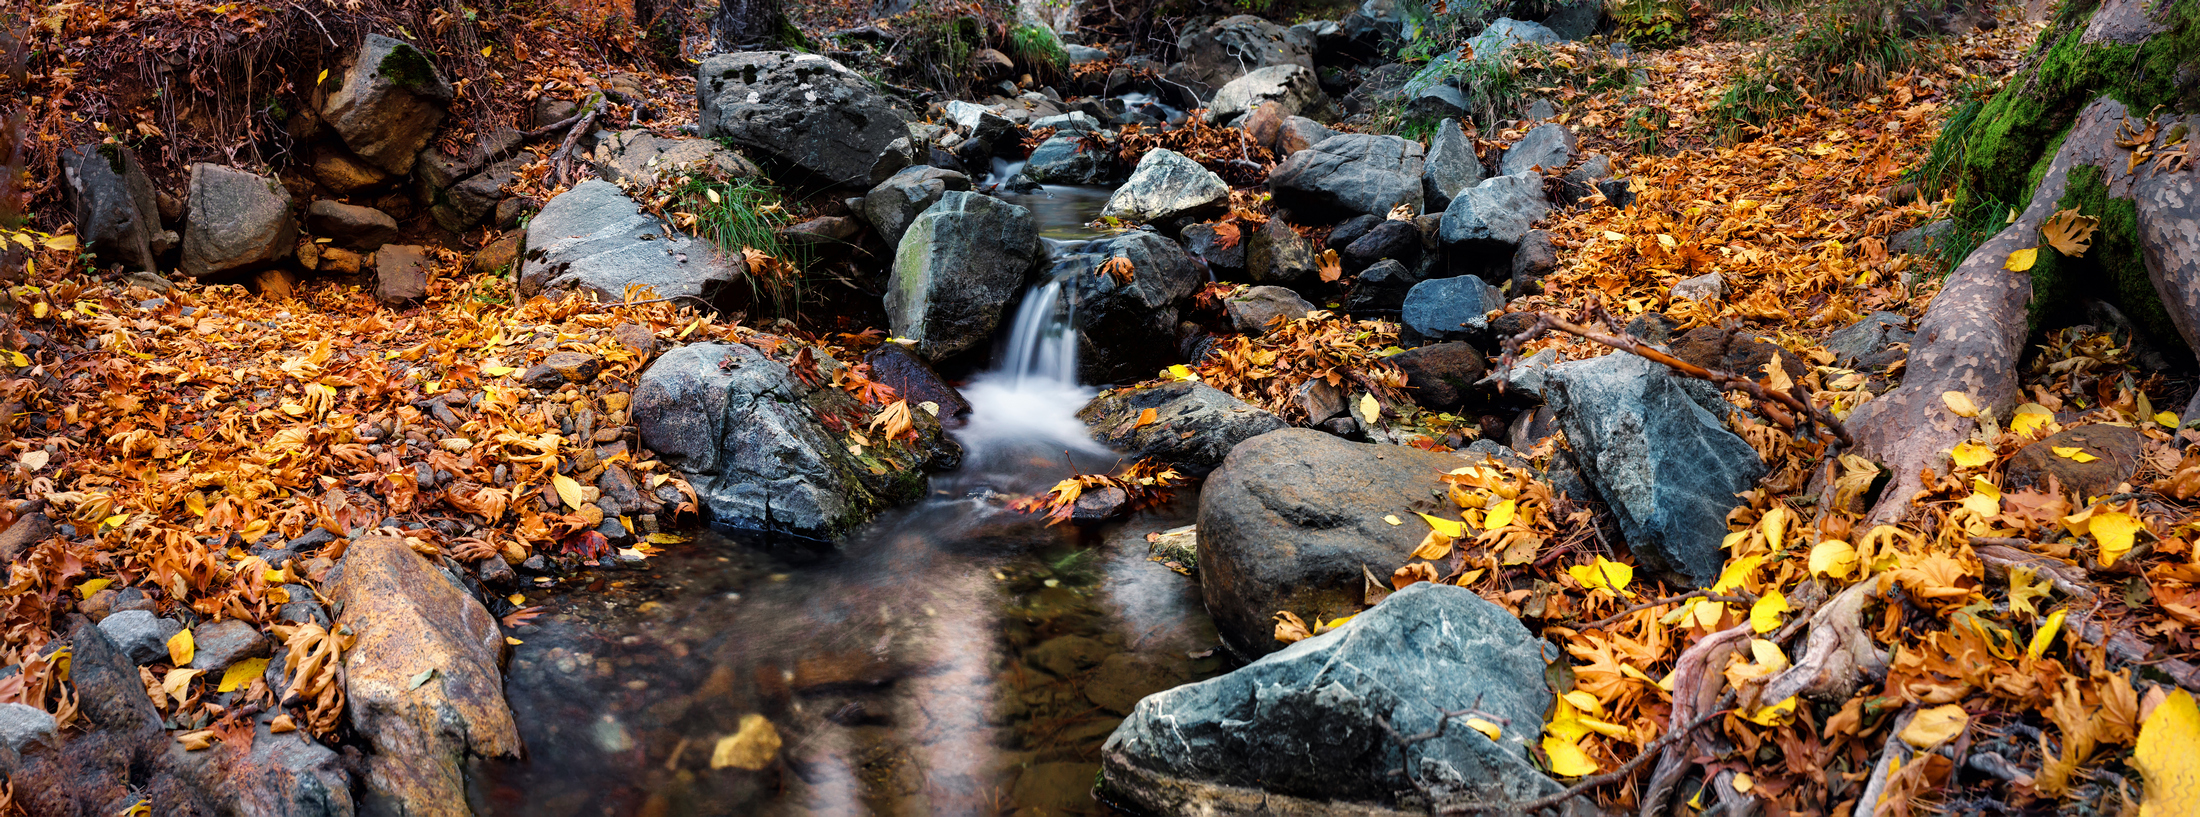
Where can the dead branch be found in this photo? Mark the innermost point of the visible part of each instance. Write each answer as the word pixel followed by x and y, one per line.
pixel 561 159
pixel 1694 680
pixel 1615 618
pixel 1837 651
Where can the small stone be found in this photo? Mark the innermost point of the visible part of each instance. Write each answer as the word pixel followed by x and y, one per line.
pixel 226 642
pixel 1439 376
pixel 636 337
pixel 359 228
pixel 1706 287
pixel 1067 655
pixel 28 530
pixel 23 726
pixel 401 274
pixel 495 572
pixel 141 636
pixel 1251 312
pixel 562 368
pixel 2116 450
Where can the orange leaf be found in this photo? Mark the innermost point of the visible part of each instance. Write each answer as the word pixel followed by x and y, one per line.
pixel 1148 417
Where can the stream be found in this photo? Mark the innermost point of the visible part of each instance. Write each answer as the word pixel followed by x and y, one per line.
pixel 952 658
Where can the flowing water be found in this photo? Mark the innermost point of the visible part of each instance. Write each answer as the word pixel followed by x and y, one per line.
pixel 953 658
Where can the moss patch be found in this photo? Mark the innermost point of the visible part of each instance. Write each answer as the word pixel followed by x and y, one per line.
pixel 408 68
pixel 2112 270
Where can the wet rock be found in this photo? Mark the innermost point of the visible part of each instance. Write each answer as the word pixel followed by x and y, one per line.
pixel 1500 210
pixel 1064 656
pixel 1235 46
pixel 1506 32
pixel 401 274
pixel 279 775
pixel 1394 239
pixel 1057 787
pixel 1381 289
pixel 593 238
pixel 914 380
pixel 1166 186
pixel 1227 262
pixel 1448 309
pixel 1656 447
pixel 226 642
pixel 1732 350
pixel 1452 166
pixel 980 125
pixel 1348 175
pixel 140 635
pixel 1709 286
pixel 391 101
pixel 1125 332
pixel 23 726
pixel 747 434
pixel 1066 159
pixel 561 368
pixel 895 202
pixel 1099 505
pixel 1195 425
pixel 1440 376
pixel 1276 253
pixel 1251 311
pixel 465 203
pixel 117 218
pixel 2117 450
pixel 642 157
pixel 1289 518
pixel 803 111
pixel 421 682
pixel 355 227
pixel 239 222
pixel 957 269
pixel 1300 133
pixel 27 530
pixel 1292 87
pixel 1302 731
pixel 1871 344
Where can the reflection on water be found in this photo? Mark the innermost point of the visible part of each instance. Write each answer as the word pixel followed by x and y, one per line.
pixel 1064 210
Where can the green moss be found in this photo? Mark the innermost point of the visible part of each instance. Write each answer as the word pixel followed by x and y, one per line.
pixel 2113 269
pixel 407 67
pixel 116 161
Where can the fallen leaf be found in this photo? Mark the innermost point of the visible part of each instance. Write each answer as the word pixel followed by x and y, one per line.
pixel 2073 454
pixel 569 490
pixel 1764 616
pixel 421 679
pixel 1148 417
pixel 1743 782
pixel 1452 528
pixel 2026 587
pixel 1433 546
pixel 751 747
pixel 1935 726
pixel 1290 629
pixel 1500 515
pixel 2029 418
pixel 2069 232
pixel 1833 557
pixel 2045 636
pixel 1567 758
pixel 1120 269
pixel 1971 455
pixel 1485 727
pixel 2021 260
pixel 2166 760
pixel 180 648
pixel 1959 403
pixel 1393 519
pixel 1370 411
pixel 241 673
pixel 2114 531
pixel 85 590
pixel 1603 574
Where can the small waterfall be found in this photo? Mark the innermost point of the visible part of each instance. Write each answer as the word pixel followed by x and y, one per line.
pixel 1041 344
pixel 1029 400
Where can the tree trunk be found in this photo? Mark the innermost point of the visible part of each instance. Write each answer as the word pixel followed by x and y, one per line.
pixel 747 25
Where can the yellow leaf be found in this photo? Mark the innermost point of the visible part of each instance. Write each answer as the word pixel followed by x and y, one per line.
pixel 1764 616
pixel 498 371
pixel 85 590
pixel 1603 574
pixel 1736 572
pixel 516 598
pixel 1833 557
pixel 177 681
pixel 569 490
pixel 1485 727
pixel 1393 519
pixel 2025 587
pixel 2168 419
pixel 1959 403
pixel 1433 546
pixel 1774 524
pixel 1707 612
pixel 1985 498
pixel 17 359
pixel 2074 454
pixel 752 747
pixel 1182 372
pixel 712 194
pixel 2045 636
pixel 1448 527
pixel 2114 531
pixel 486 49
pixel 1370 411
pixel 513 641
pixel 2029 418
pixel 2166 760
pixel 1773 715
pixel 1500 515
pixel 2021 260
pixel 1567 759
pixel 1768 654
pixel 1935 726
pixel 1743 782
pixel 1971 455
pixel 241 674
pixel 181 648
pixel 64 243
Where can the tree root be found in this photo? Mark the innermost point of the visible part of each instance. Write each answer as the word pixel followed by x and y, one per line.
pixel 1838 654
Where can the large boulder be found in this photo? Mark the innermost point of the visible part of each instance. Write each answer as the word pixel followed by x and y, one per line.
pixel 1499 211
pixel 1656 447
pixel 1505 32
pixel 238 222
pixel 421 682
pixel 895 202
pixel 956 270
pixel 117 218
pixel 1234 47
pixel 1125 331
pixel 391 101
pixel 1293 87
pixel 1277 254
pixel 642 157
pixel 914 380
pixel 802 111
pixel 1381 289
pixel 1292 515
pixel 1067 159
pixel 1194 427
pixel 1167 186
pixel 1548 146
pixel 749 435
pixel 1446 309
pixel 1350 174
pixel 1313 729
pixel 594 238
pixel 1452 167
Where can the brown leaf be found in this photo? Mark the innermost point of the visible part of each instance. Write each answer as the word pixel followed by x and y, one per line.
pixel 1414 572
pixel 2070 233
pixel 1120 269
pixel 1332 269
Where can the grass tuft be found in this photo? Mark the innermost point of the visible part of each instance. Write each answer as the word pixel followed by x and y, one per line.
pixel 748 214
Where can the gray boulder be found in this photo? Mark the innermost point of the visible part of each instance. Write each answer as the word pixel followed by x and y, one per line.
pixel 23 726
pixel 1289 518
pixel 391 101
pixel 1381 289
pixel 895 202
pixel 1549 146
pixel 1394 238
pixel 226 642
pixel 1234 47
pixel 1165 186
pixel 1455 308
pixel 1575 19
pixel 1656 448
pixel 1350 174
pixel 802 111
pixel 747 433
pixel 1251 312
pixel 1506 32
pixel 1278 254
pixel 141 636
pixel 353 226
pixel 1452 167
pixel 594 238
pixel 1500 209
pixel 238 222
pixel 1303 731
pixel 467 201
pixel 956 270
pixel 1126 331
pixel 1300 133
pixel 642 157
pixel 1291 86
pixel 117 218
pixel 1066 159
pixel 1195 425
pixel 980 122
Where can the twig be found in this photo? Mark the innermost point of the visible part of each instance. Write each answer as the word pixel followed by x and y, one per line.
pixel 589 111
pixel 1614 618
